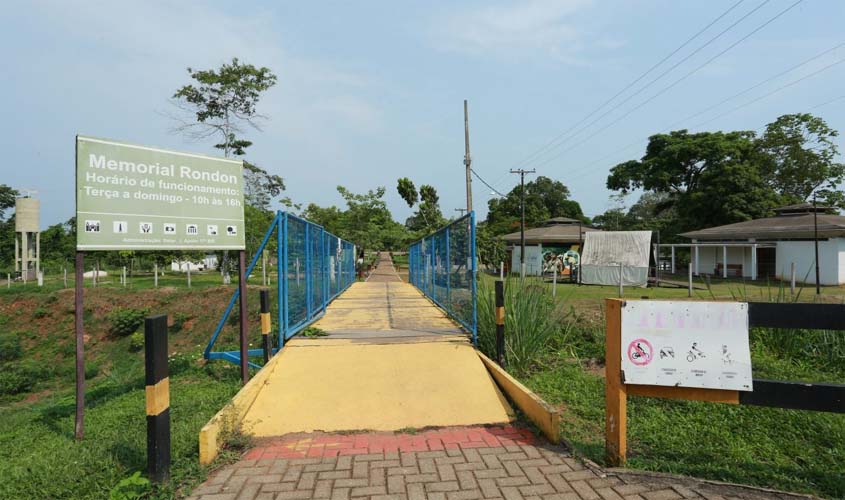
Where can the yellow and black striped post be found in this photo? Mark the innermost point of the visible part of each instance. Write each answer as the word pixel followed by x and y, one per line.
pixel 500 323
pixel 158 398
pixel 265 325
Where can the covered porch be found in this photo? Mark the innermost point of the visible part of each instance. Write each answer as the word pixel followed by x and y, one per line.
pixel 723 258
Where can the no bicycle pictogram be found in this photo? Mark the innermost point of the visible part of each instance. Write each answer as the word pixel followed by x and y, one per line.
pixel 640 352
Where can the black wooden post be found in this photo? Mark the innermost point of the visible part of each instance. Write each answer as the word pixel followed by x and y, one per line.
pixel 265 324
pixel 158 398
pixel 243 314
pixel 500 323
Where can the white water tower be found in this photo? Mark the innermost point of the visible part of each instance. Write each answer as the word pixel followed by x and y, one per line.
pixel 27 237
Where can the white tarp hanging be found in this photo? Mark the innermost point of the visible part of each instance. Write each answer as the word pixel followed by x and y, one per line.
pixel 604 251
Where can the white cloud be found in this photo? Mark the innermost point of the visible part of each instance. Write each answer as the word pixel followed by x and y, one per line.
pixel 541 27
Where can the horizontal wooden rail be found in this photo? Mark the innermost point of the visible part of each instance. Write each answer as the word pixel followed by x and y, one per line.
pixel 796 315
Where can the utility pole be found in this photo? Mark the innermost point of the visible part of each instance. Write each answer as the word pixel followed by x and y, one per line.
pixel 467 158
pixel 816 241
pixel 461 210
pixel 522 173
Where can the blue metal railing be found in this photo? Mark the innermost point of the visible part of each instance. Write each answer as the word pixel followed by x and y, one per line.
pixel 314 266
pixel 443 266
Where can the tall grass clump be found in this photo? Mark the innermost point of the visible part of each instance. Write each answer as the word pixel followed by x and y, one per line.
pixel 532 323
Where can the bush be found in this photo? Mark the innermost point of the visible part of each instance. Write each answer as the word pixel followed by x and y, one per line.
pixel 126 321
pixel 10 347
pixel 136 342
pixel 532 323
pixel 20 377
pixel 179 320
pixel 91 370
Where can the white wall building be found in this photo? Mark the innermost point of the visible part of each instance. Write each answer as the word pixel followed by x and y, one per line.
pixel 208 263
pixel 770 247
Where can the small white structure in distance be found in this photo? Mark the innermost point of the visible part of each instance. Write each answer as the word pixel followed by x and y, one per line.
pixel 207 263
pixel 608 252
pixel 533 260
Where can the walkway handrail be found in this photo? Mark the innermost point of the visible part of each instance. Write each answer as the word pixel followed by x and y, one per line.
pixel 314 266
pixel 443 266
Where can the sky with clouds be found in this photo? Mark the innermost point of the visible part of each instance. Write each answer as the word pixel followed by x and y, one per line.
pixel 371 91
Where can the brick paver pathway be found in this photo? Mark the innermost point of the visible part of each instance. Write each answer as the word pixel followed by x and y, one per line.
pixel 448 464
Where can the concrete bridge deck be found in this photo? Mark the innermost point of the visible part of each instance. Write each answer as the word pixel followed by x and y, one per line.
pixel 389 359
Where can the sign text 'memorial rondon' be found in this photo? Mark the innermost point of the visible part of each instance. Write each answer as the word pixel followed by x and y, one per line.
pixel 131 197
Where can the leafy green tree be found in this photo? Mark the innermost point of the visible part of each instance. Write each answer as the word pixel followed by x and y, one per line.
pixel 262 187
pixel 800 153
pixel 428 217
pixel 407 191
pixel 222 102
pixel 545 198
pixel 491 249
pixel 7 199
pixel 707 178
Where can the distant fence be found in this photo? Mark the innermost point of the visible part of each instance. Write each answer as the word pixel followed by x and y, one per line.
pixel 443 266
pixel 314 266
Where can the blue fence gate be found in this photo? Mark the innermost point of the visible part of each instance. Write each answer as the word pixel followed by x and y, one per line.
pixel 314 267
pixel 443 266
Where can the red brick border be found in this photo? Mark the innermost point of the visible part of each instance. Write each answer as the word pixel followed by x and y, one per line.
pixel 319 445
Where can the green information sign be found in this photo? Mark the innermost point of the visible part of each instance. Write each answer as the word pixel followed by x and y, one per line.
pixel 131 197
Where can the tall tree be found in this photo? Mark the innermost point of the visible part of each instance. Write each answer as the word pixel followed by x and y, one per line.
pixel 428 217
pixel 7 199
pixel 545 198
pixel 222 102
pixel 800 153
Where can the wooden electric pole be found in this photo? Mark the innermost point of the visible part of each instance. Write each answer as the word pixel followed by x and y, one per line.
pixel 522 173
pixel 467 158
pixel 816 242
pixel 462 211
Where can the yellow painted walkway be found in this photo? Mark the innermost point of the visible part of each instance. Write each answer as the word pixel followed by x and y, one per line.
pixel 391 360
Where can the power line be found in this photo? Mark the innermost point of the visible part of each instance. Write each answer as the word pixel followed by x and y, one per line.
pixel 775 91
pixel 673 84
pixel 637 80
pixel 723 101
pixel 653 81
pixel 485 183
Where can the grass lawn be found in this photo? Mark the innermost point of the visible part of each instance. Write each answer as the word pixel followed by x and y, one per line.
pixel 39 457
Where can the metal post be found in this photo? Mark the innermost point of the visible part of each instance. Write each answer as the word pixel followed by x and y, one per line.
pixel 155 275
pixel 189 275
pixel 284 326
pixel 308 264
pixel 64 276
pixel 673 259
pixel 8 280
pixel 657 261
pixel 689 291
pixel 554 281
pixel 474 277
pixel 724 261
pixel 621 284
pixel 792 280
pixel 467 158
pixel 816 243
pixel 123 276
pixel 264 268
pixel 500 323
pixel 501 270
pixel 281 280
pixel 754 262
pixel 80 348
pixel 243 315
pixel 697 270
pixel 158 398
pixel 265 324
pixel 448 271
